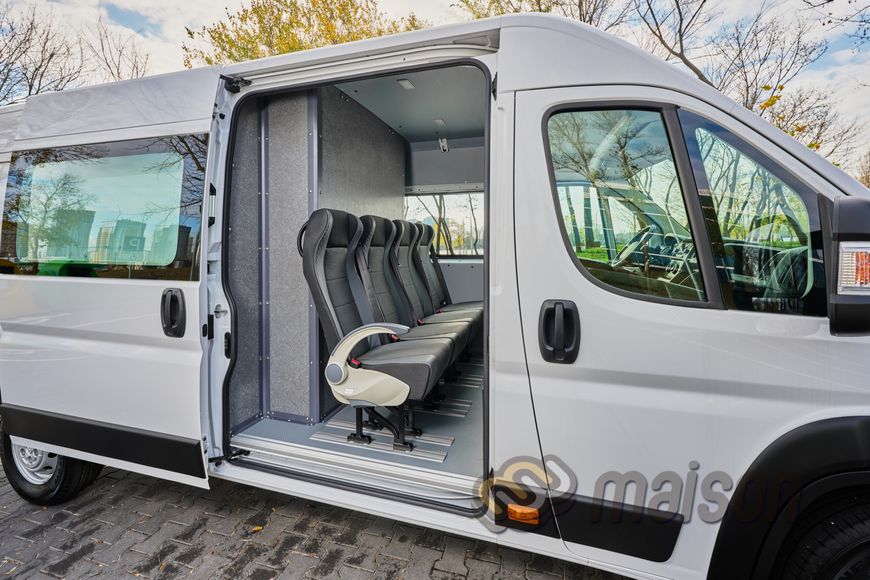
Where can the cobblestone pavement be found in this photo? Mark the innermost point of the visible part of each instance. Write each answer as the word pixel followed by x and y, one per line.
pixel 128 524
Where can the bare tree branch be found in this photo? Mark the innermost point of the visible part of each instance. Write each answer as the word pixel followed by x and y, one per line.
pixel 117 56
pixel 36 55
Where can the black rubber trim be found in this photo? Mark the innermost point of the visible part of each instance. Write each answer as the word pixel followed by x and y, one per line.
pixel 636 531
pixel 785 470
pixel 157 450
pixel 626 529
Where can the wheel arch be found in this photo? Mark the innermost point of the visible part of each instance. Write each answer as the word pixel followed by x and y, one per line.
pixel 794 472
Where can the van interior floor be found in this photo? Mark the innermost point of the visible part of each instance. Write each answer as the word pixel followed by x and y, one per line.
pixel 448 456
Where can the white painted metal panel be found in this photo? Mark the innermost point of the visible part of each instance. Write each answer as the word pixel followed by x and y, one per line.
pixel 94 348
pixel 464 278
pixel 9 117
pixel 658 386
pixel 170 104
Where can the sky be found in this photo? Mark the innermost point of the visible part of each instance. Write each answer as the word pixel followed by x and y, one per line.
pixel 160 28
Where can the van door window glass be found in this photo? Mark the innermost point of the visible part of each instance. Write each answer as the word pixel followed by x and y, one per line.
pixel 128 209
pixel 622 207
pixel 764 225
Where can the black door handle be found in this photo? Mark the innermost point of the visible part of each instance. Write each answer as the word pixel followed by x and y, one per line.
pixel 172 312
pixel 559 331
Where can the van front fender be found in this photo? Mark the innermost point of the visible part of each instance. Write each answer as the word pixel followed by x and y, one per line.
pixel 789 475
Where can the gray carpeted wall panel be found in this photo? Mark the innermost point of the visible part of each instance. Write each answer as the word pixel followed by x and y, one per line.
pixel 243 260
pixel 362 160
pixel 288 210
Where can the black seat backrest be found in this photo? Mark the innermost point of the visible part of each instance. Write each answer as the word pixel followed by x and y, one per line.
pixel 428 268
pixel 386 295
pixel 404 248
pixel 328 262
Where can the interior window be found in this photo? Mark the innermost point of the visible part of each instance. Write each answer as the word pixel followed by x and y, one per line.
pixel 124 209
pixel 457 218
pixel 766 235
pixel 623 210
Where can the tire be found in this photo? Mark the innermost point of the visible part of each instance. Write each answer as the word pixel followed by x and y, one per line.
pixel 57 480
pixel 831 543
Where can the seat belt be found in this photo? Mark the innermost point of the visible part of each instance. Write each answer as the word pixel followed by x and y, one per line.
pixel 434 257
pixel 418 261
pixel 362 265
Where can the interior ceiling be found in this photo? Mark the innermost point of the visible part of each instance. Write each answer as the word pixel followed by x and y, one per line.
pixel 457 95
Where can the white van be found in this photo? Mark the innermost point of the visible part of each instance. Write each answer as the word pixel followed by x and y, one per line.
pixel 512 279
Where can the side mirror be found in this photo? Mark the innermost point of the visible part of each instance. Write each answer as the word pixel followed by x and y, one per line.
pixel 847 253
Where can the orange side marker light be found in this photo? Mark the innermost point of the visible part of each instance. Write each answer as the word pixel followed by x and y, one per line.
pixel 523 514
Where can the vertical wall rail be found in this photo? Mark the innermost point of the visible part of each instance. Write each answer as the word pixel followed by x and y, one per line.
pixel 313 190
pixel 263 197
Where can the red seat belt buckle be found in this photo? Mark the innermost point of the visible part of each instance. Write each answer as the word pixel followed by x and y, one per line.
pixel 420 322
pixel 355 363
pixel 394 338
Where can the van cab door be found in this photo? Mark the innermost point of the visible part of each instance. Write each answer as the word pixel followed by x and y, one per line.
pixel 673 303
pixel 101 287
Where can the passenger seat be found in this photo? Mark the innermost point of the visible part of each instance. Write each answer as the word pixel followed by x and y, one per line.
pixel 409 280
pixel 359 375
pixel 385 295
pixel 426 261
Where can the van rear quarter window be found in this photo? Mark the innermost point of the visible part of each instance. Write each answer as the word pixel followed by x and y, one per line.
pixel 129 209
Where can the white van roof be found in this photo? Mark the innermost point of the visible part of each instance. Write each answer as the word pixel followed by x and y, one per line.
pixel 9 117
pixel 543 51
pixel 167 104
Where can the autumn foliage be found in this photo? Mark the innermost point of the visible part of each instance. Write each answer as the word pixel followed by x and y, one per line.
pixel 269 27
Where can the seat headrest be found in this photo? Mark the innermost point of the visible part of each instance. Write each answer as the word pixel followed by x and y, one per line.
pixel 377 231
pixel 409 232
pixel 427 235
pixel 344 228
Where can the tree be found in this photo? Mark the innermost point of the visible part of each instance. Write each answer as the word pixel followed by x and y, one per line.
pixel 269 27
pixel 864 170
pixel 753 60
pixel 603 14
pixel 855 16
pixel 676 25
pixel 117 55
pixel 36 55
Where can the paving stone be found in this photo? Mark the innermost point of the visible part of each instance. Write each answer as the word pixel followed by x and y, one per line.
pixel 298 567
pixel 209 567
pixel 244 560
pixel 545 564
pixel 110 553
pixel 481 569
pixel 351 573
pixel 368 548
pixel 402 540
pixel 513 563
pixel 389 568
pixel 453 560
pixel 422 561
pixel 486 551
pixel 280 554
pixel 128 524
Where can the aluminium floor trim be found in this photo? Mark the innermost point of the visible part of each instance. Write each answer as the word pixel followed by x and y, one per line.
pixel 441 440
pixel 381 446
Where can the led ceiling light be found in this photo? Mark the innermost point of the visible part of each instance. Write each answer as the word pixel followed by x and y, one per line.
pixel 406 84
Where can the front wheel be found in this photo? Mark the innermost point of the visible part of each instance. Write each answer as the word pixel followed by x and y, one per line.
pixel 44 478
pixel 831 543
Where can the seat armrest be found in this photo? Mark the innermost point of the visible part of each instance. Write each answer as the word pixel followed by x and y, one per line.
pixel 337 367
